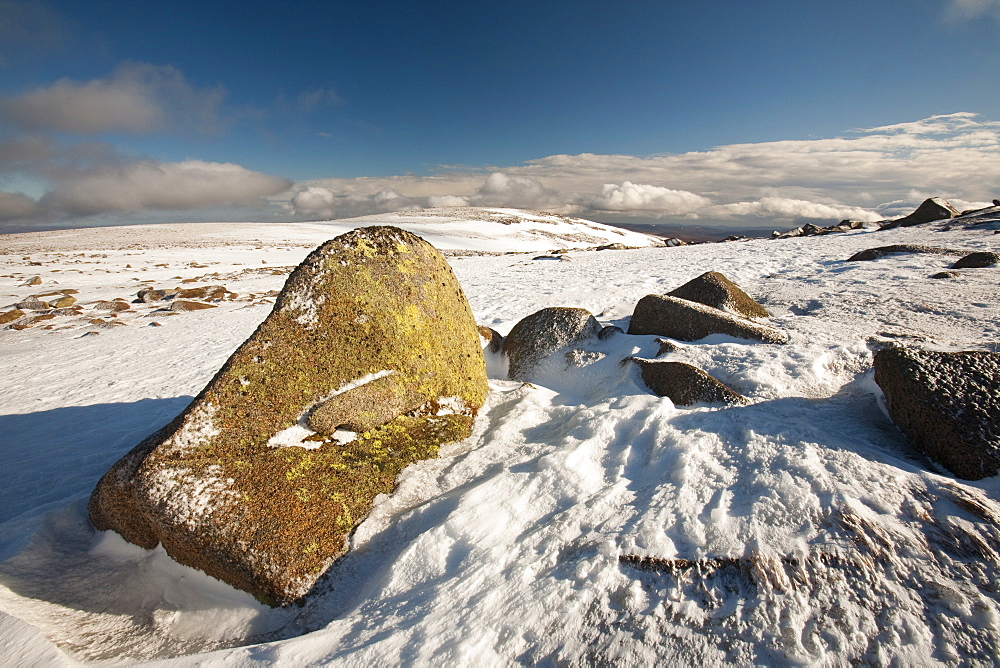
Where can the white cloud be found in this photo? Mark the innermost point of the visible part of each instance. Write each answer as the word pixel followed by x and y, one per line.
pixel 137 98
pixel 147 184
pixel 788 208
pixel 525 192
pixel 644 198
pixel 314 202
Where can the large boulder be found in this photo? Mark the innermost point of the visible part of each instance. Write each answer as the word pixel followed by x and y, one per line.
pixel 542 333
pixel 947 404
pixel 684 320
pixel 714 289
pixel 259 482
pixel 685 384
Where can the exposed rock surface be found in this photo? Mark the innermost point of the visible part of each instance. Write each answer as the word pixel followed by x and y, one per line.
pixel 32 304
pixel 947 404
pixel 115 306
pixel 666 346
pixel 609 331
pixel 929 210
pixel 544 332
pixel 188 305
pixel 150 295
pixel 977 260
pixel 714 289
pixel 11 316
pixel 490 339
pixel 63 302
pixel 208 292
pixel 239 486
pixel 899 249
pixel 690 321
pixel 685 384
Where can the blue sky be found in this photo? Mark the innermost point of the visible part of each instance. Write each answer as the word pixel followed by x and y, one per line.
pixel 731 112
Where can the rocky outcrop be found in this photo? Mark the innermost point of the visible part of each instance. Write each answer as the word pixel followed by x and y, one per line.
pixel 259 482
pixel 544 332
pixel 977 260
pixel 900 249
pixel 714 289
pixel 930 210
pixel 947 404
pixel 684 384
pixel 684 320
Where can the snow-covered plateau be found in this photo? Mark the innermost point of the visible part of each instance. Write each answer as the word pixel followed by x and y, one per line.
pixel 586 520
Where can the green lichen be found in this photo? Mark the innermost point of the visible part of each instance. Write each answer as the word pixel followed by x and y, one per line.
pixel 373 300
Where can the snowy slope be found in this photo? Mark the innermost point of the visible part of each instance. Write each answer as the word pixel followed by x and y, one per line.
pixel 799 529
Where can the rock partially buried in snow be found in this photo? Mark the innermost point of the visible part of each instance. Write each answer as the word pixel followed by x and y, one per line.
pixel 685 384
pixel 977 260
pixel 947 404
pixel 714 289
pixel 690 321
pixel 544 332
pixel 184 305
pixel 490 339
pixel 208 292
pixel 11 316
pixel 899 249
pixel 247 484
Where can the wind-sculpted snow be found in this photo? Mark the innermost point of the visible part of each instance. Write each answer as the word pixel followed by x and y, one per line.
pixel 585 520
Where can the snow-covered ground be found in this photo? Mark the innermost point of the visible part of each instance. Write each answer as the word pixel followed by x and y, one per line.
pixel 801 528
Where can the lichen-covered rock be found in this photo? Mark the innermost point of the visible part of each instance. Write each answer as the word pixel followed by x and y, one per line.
pixel 544 332
pixel 63 302
pixel 207 292
pixel 977 260
pixel 899 249
pixel 690 321
pixel 247 484
pixel 684 384
pixel 714 289
pixel 10 316
pixel 947 404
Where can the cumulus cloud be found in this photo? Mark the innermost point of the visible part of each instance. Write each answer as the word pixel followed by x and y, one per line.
pixel 524 192
pixel 867 174
pixel 644 198
pixel 148 184
pixel 788 208
pixel 137 98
